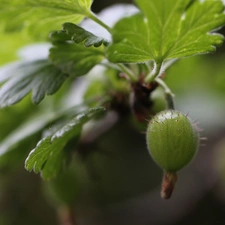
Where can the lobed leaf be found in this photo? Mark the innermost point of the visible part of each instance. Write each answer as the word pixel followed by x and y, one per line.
pixel 78 35
pixel 49 156
pixel 43 15
pixel 167 29
pixel 59 36
pixel 75 59
pixel 40 76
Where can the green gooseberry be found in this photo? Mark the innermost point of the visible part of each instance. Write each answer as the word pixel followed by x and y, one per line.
pixel 172 141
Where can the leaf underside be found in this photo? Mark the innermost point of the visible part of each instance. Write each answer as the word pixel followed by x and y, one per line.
pixel 74 59
pixel 40 77
pixel 167 29
pixel 36 15
pixel 49 156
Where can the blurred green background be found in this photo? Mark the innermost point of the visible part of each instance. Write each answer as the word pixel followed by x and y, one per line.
pixel 117 182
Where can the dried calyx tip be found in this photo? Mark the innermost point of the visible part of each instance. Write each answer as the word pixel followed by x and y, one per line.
pixel 168 184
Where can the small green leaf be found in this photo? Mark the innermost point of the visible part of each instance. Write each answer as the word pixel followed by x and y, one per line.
pixel 36 15
pixel 167 29
pixel 59 36
pixel 75 59
pixel 78 35
pixel 40 77
pixel 49 156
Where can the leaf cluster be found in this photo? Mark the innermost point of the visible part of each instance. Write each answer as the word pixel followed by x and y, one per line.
pixel 167 29
pixel 162 30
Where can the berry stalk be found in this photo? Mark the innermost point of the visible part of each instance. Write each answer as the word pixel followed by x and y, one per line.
pixel 168 184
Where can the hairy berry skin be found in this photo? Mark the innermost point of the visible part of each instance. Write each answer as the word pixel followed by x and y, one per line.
pixel 172 140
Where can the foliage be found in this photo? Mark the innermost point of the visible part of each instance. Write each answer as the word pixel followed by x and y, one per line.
pixel 39 76
pixel 41 14
pixel 49 154
pixel 94 82
pixel 168 30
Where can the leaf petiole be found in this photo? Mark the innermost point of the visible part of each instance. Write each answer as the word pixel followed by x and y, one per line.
pixel 168 93
pixel 128 72
pixel 93 17
pixel 154 73
pixel 122 68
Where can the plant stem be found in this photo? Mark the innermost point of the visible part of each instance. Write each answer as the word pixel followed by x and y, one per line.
pixel 122 68
pixel 168 93
pixel 168 184
pixel 154 73
pixel 168 63
pixel 93 17
pixel 128 72
pixel 169 100
pixel 66 216
pixel 110 65
pixel 148 66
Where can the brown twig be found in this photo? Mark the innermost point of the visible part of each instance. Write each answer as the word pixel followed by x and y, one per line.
pixel 168 184
pixel 66 216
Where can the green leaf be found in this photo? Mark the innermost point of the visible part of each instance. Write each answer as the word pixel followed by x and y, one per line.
pixel 42 15
pixel 40 77
pixel 75 59
pixel 49 155
pixel 78 35
pixel 167 29
pixel 59 36
pixel 28 128
pixel 38 123
pixel 75 6
pixel 9 46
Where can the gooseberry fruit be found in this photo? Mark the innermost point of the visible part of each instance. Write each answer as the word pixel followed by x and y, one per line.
pixel 172 141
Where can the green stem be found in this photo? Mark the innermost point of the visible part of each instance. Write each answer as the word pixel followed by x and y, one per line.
pixel 122 68
pixel 93 17
pixel 128 72
pixel 148 66
pixel 168 93
pixel 168 63
pixel 154 73
pixel 110 65
pixel 169 100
